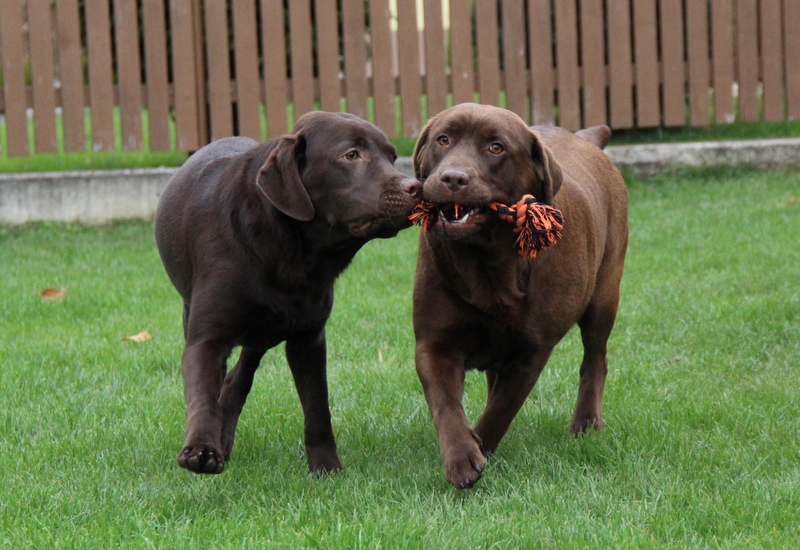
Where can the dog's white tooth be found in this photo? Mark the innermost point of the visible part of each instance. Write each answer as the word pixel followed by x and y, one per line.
pixel 466 216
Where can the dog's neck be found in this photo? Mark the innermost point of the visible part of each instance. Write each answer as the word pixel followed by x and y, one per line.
pixel 312 259
pixel 299 256
pixel 492 279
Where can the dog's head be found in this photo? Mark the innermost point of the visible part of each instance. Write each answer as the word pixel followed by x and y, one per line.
pixel 472 155
pixel 337 169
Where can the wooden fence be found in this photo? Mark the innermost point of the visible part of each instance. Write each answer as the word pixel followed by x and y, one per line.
pixel 177 73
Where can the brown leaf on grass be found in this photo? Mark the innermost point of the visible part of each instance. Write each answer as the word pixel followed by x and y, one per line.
pixel 52 294
pixel 143 336
pixel 793 200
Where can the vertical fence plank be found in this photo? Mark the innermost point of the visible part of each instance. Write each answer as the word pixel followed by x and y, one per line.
pixel 772 59
pixel 12 48
pixel 302 56
pixel 101 92
pixel 673 76
pixel 541 52
pixel 461 51
pixel 410 82
pixel 355 57
pixel 619 60
pixel 274 47
pixel 200 78
pixel 593 63
pixel 722 59
pixel 569 110
pixel 42 75
pixel 185 58
pixel 747 47
pixel 436 88
pixel 327 18
pixel 382 63
pixel 220 101
pixel 514 49
pixel 791 22
pixel 155 54
pixel 648 111
pixel 129 70
pixel 697 53
pixel 488 52
pixel 71 75
pixel 248 87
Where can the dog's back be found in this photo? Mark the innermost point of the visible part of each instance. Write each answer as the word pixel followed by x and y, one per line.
pixel 200 174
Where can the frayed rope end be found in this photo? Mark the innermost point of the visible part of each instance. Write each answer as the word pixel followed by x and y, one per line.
pixel 537 225
pixel 424 214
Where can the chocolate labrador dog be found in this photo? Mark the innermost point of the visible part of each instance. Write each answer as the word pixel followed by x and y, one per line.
pixel 479 304
pixel 253 237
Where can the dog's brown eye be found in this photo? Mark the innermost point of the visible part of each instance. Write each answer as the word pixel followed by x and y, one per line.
pixel 443 141
pixel 496 148
pixel 351 155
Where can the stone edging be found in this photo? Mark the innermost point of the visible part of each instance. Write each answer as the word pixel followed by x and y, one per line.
pixel 101 196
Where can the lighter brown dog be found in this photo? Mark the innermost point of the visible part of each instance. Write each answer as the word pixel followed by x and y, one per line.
pixel 478 304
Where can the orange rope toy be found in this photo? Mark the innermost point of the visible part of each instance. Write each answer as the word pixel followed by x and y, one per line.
pixel 536 224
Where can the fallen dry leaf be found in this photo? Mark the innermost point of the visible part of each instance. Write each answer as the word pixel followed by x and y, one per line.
pixel 143 336
pixel 792 200
pixel 52 294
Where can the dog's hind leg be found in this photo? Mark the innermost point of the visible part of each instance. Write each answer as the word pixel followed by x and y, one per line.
pixel 235 389
pixel 595 324
pixel 307 359
pixel 508 391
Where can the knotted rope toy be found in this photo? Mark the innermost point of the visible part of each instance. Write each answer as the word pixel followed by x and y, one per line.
pixel 536 224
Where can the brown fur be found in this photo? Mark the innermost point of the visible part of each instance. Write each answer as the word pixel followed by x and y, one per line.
pixel 253 237
pixel 479 305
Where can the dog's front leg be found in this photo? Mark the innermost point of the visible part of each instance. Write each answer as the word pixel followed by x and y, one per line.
pixel 203 364
pixel 442 377
pixel 307 359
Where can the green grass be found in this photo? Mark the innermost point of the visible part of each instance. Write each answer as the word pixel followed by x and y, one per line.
pixel 717 132
pixel 701 449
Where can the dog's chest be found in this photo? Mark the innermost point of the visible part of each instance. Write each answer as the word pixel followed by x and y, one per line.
pixel 285 315
pixel 496 347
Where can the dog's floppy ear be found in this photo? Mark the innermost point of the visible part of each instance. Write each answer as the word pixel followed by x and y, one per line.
pixel 419 150
pixel 279 179
pixel 546 168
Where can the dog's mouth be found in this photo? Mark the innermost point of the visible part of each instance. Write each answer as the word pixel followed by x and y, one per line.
pixel 457 214
pixel 450 217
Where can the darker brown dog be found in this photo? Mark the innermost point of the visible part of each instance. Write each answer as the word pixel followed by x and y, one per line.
pixel 253 237
pixel 478 304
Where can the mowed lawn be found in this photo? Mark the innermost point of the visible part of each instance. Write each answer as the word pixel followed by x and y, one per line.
pixel 701 449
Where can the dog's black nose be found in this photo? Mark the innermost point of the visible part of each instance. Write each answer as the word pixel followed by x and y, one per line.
pixel 455 179
pixel 411 186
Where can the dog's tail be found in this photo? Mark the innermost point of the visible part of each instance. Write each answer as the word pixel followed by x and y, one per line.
pixel 599 135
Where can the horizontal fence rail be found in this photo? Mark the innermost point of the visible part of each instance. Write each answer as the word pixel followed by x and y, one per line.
pixel 175 74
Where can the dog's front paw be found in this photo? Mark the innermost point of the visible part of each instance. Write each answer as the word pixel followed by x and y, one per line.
pixel 201 459
pixel 464 467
